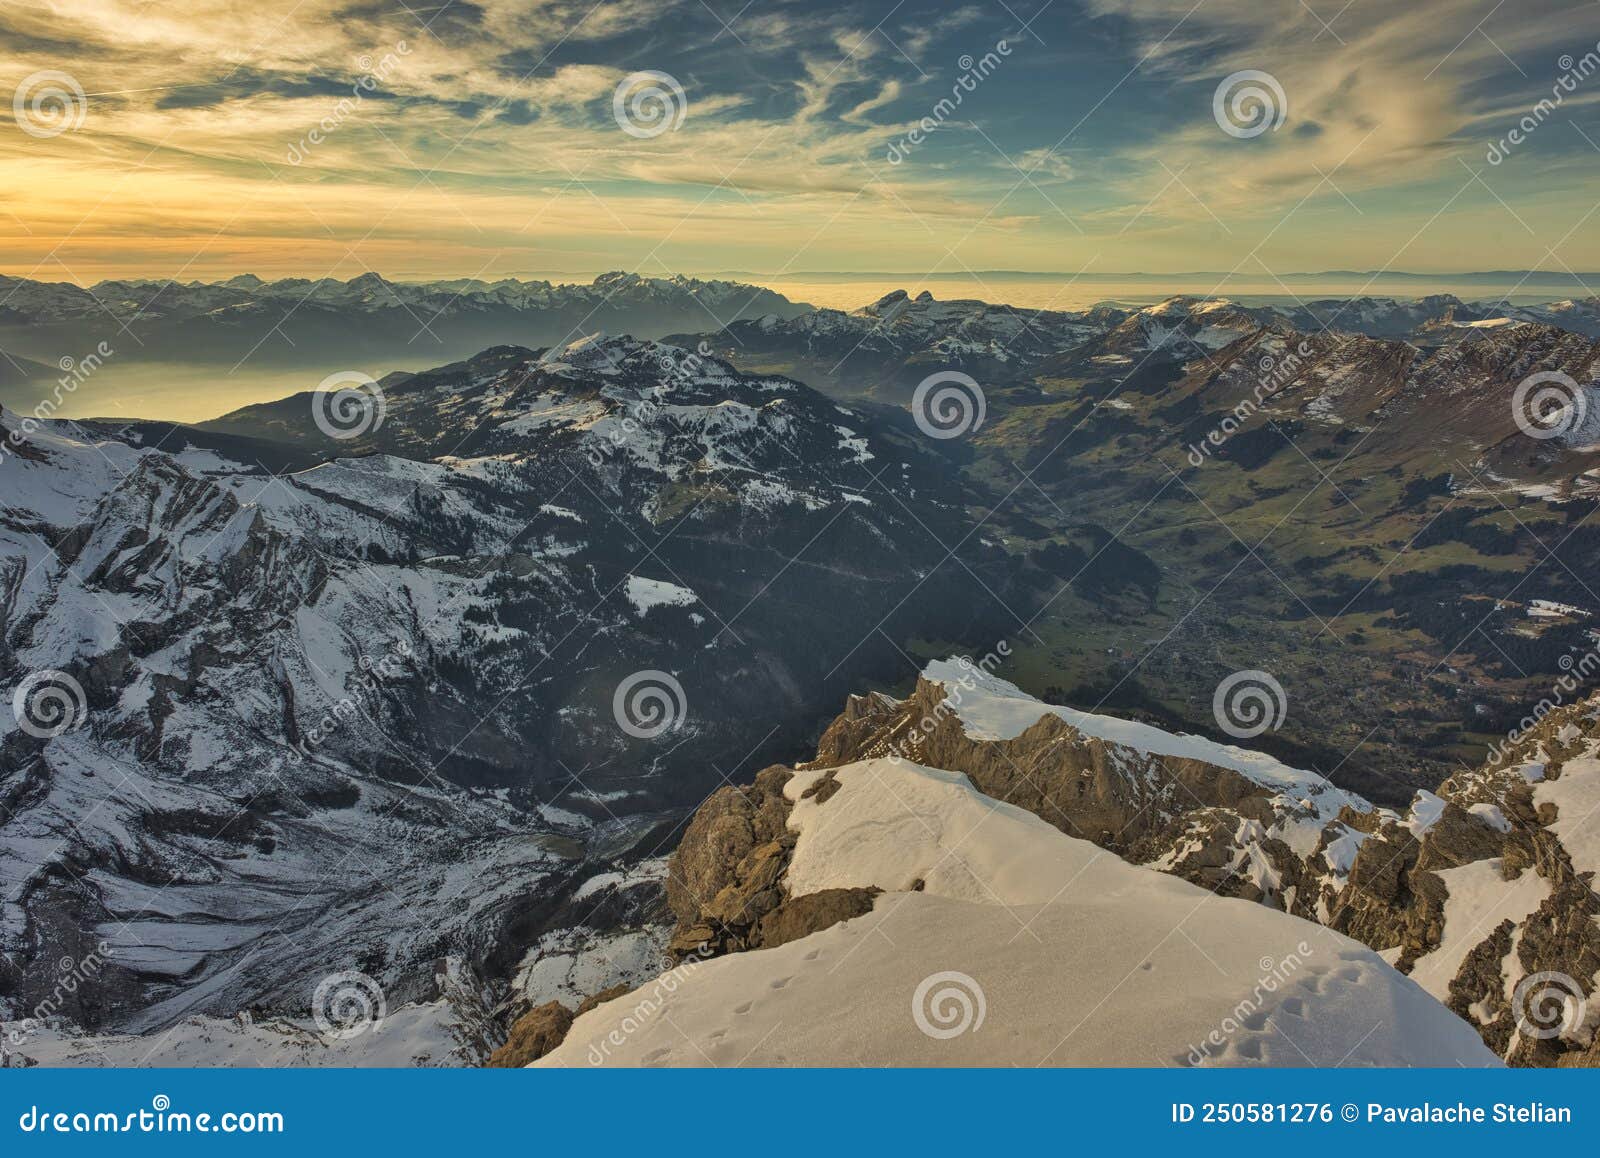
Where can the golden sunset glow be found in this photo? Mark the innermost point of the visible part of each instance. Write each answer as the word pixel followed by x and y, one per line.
pixel 325 138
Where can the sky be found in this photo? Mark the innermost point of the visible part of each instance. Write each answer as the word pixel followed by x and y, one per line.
pixel 200 139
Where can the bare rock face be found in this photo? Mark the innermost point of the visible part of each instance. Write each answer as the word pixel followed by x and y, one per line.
pixel 601 998
pixel 535 1034
pixel 544 1027
pixel 724 876
pixel 1394 897
pixel 1189 817
pixel 1386 902
pixel 725 882
pixel 1377 876
pixel 801 916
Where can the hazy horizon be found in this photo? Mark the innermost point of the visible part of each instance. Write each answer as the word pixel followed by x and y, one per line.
pixel 1472 276
pixel 191 392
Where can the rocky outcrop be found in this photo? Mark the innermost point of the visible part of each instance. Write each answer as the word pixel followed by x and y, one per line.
pixel 1411 886
pixel 541 1029
pixel 535 1034
pixel 725 882
pixel 1190 817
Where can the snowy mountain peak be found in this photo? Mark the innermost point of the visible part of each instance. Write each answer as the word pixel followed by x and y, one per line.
pixel 887 302
pixel 597 352
pixel 990 708
pixel 1179 305
pixel 1083 987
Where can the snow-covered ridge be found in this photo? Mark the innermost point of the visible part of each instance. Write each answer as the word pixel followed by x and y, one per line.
pixel 990 708
pixel 1000 940
pixel 983 336
pixel 1435 888
pixel 370 292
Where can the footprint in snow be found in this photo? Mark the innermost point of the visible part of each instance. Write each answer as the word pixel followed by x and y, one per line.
pixel 1249 1048
pixel 1255 1021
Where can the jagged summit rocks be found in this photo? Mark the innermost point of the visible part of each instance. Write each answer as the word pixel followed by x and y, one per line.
pixel 995 939
pixel 884 348
pixel 1483 893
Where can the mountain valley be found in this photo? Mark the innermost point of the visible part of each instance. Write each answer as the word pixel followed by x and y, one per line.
pixel 458 679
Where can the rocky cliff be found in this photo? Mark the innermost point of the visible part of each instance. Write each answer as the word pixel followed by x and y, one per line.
pixel 1482 892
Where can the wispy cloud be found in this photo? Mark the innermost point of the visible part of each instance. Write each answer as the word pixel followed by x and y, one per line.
pixel 287 135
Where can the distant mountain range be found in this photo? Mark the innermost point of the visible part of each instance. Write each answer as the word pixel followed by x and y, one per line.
pixel 1507 277
pixel 884 349
pixel 326 323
